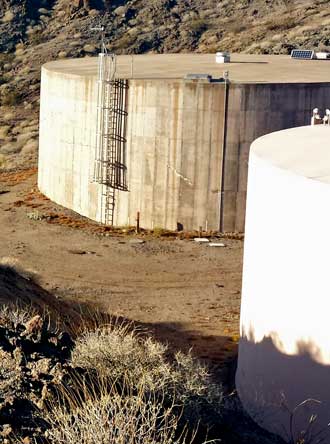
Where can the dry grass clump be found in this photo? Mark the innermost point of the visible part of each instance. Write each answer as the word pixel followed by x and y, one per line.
pixel 120 388
pixel 14 315
pixel 281 23
pixel 10 98
pixel 9 148
pixel 4 130
pixel 198 26
pixel 2 160
pixel 30 147
pixel 117 353
pixel 8 16
pixel 122 356
pixel 113 417
pixel 9 373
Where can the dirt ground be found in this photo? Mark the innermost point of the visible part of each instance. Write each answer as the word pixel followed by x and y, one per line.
pixel 186 293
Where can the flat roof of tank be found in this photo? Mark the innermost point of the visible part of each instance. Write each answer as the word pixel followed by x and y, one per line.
pixel 244 68
pixel 304 151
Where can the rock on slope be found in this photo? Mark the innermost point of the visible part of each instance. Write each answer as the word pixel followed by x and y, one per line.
pixel 33 364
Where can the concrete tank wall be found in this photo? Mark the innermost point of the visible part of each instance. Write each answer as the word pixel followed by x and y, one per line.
pixel 174 154
pixel 174 150
pixel 284 352
pixel 174 146
pixel 67 140
pixel 253 111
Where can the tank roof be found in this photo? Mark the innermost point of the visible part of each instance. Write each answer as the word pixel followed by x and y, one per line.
pixel 304 151
pixel 244 68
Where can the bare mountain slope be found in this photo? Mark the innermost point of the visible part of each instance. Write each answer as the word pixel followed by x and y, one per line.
pixel 35 31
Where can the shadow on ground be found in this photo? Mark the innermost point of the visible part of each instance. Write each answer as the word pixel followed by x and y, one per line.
pixel 233 426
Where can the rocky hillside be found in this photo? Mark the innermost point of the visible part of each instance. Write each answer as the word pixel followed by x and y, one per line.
pixel 34 31
pixel 267 26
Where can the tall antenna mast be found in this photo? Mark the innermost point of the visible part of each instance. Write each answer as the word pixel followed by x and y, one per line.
pixel 101 30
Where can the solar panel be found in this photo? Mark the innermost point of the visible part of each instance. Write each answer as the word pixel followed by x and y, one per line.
pixel 303 54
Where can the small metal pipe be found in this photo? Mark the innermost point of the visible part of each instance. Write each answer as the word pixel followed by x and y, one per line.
pixel 138 222
pixel 224 151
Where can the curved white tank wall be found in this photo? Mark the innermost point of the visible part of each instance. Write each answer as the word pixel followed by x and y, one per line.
pixel 284 352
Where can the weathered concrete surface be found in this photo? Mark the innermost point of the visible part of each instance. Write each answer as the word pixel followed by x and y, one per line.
pixel 174 154
pixel 175 133
pixel 284 353
pixel 256 110
pixel 244 68
pixel 67 137
pixel 174 151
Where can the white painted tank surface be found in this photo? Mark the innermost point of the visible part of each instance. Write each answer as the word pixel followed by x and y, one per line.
pixel 283 376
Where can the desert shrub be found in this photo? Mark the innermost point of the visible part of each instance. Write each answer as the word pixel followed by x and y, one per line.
pixel 10 98
pixel 8 16
pixel 9 374
pixel 4 130
pixel 9 148
pixel 30 147
pixel 198 26
pixel 124 42
pixel 113 417
pixel 236 27
pixel 3 80
pixel 14 315
pixel 2 161
pixel 159 231
pixel 281 23
pixel 36 37
pixel 120 353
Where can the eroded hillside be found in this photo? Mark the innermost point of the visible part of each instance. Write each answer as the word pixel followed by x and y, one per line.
pixel 35 31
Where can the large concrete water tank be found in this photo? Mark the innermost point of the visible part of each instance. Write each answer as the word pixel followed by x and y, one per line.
pixel 283 375
pixel 187 141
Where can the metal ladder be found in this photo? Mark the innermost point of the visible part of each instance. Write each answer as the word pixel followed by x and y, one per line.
pixel 110 154
pixel 108 205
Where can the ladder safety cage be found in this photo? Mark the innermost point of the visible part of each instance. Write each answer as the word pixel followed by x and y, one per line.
pixel 110 168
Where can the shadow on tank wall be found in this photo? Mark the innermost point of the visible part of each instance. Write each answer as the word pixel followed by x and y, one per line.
pixel 289 395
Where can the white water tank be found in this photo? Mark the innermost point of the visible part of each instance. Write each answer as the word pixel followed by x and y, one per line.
pixel 283 375
pixel 222 57
pixel 322 55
